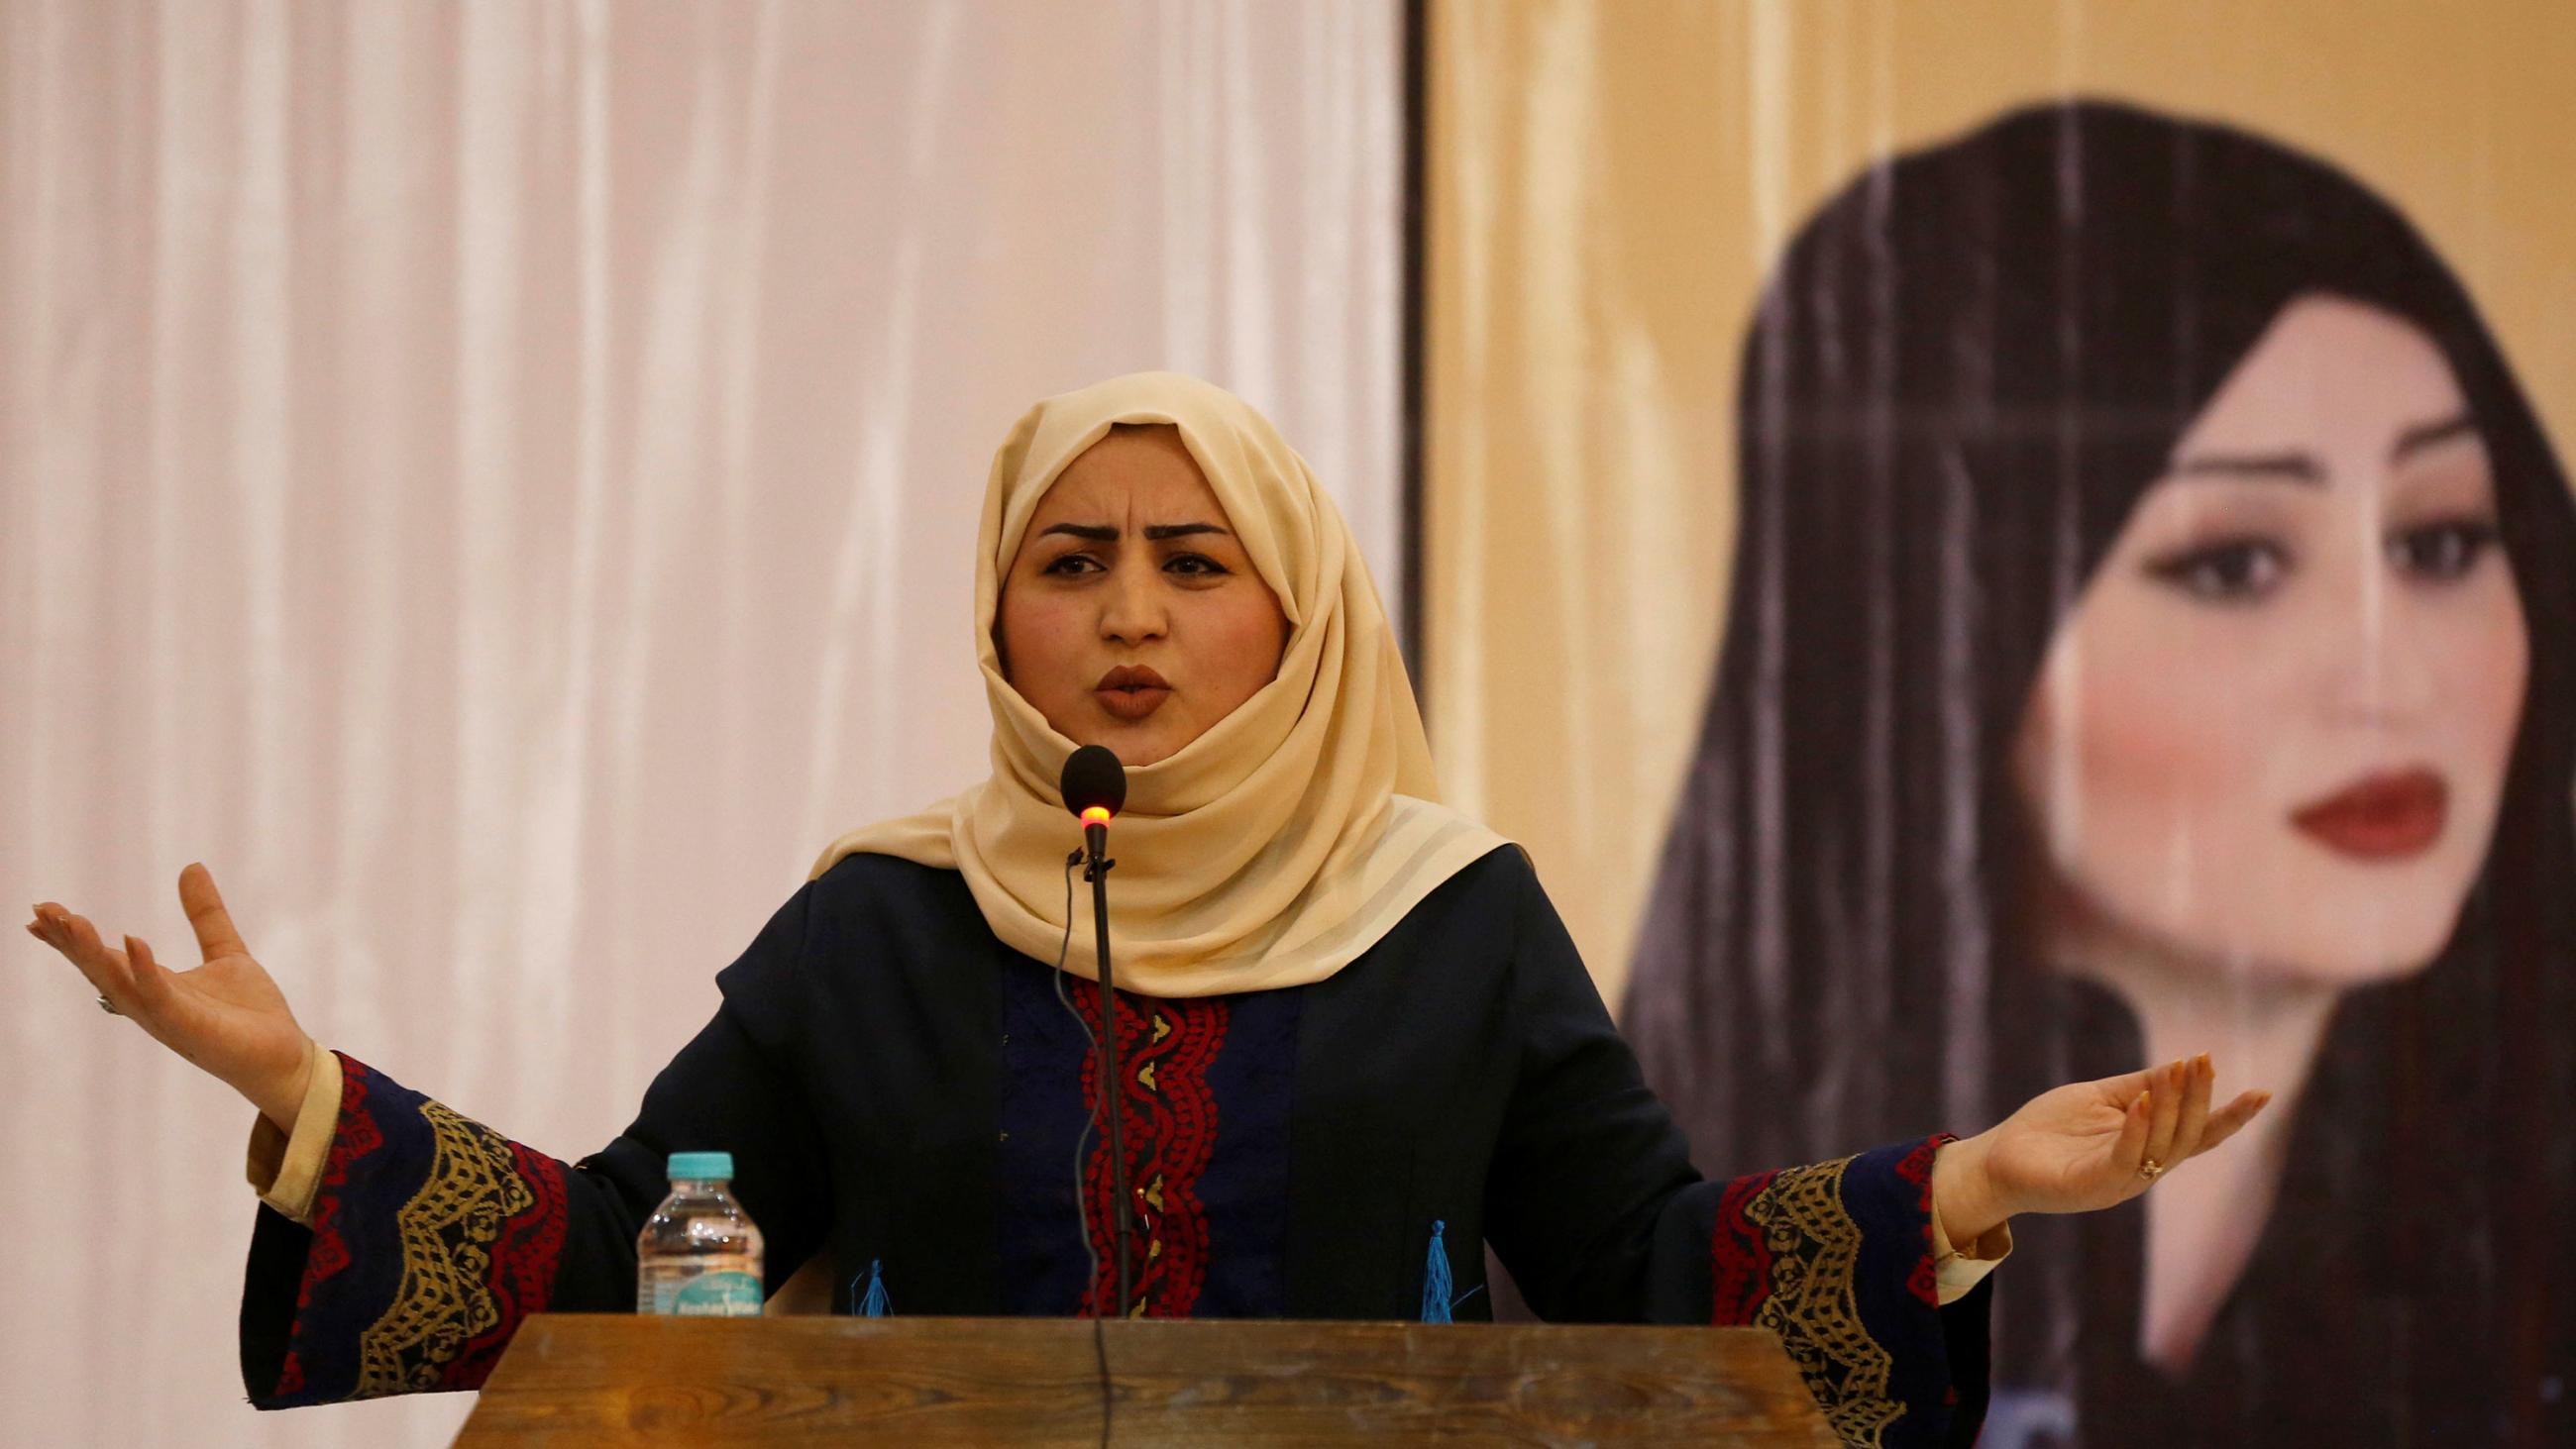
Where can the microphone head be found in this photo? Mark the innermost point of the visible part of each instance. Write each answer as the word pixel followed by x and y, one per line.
pixel 1093 779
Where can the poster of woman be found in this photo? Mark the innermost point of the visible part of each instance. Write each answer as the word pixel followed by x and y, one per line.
pixel 2152 621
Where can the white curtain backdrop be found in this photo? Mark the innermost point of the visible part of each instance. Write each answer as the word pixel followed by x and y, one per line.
pixel 495 482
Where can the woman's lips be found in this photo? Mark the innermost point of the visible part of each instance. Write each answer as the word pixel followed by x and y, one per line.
pixel 1130 692
pixel 2380 817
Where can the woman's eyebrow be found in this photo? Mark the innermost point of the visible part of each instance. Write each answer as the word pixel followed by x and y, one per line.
pixel 2286 467
pixel 2297 467
pixel 2425 435
pixel 1108 532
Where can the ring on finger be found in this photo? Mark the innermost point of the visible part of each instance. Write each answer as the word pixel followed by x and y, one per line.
pixel 2151 1169
pixel 108 1006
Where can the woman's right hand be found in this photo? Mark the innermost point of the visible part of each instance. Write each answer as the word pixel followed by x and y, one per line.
pixel 226 1016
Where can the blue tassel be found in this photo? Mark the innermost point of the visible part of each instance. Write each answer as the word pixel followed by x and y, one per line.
pixel 1435 1279
pixel 874 1304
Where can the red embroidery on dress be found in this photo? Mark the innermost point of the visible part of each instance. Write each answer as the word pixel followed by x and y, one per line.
pixel 290 1379
pixel 1169 1119
pixel 1916 1167
pixel 353 1137
pixel 1741 1257
pixel 524 1259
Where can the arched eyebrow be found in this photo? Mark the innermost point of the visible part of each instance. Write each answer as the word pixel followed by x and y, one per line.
pixel 2281 467
pixel 2298 467
pixel 2426 435
pixel 1154 532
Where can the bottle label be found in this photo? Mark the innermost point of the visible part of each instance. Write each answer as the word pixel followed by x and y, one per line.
pixel 722 1294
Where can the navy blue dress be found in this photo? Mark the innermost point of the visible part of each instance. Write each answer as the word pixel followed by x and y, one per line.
pixel 902 1091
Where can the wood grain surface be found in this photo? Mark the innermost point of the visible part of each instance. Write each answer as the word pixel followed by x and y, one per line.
pixel 611 1379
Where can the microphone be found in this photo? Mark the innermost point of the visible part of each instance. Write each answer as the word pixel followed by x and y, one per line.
pixel 1094 785
pixel 1095 789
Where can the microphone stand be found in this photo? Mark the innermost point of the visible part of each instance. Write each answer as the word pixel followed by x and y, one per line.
pixel 1113 1087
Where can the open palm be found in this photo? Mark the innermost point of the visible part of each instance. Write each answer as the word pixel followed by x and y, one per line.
pixel 2084 1145
pixel 226 1015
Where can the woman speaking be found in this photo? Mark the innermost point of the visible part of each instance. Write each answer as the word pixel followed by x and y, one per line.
pixel 1357 1043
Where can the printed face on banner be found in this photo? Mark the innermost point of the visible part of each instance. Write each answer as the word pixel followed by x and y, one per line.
pixel 2272 734
pixel 2150 634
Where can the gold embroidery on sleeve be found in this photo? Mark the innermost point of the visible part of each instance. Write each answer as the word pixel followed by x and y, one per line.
pixel 447 1228
pixel 1815 1248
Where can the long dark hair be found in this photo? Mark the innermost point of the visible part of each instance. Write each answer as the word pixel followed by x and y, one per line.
pixel 1965 372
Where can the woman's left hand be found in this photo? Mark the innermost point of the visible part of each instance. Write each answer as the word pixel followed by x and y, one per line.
pixel 2083 1146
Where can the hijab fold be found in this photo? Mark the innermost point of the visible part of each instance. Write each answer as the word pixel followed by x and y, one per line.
pixel 1281 843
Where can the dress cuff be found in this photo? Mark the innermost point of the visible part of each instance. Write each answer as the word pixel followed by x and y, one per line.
pixel 287 1171
pixel 1955 1271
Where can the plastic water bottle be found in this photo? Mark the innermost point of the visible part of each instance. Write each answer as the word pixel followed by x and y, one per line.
pixel 699 1254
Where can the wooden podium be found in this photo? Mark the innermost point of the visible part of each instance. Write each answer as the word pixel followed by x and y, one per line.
pixel 592 1379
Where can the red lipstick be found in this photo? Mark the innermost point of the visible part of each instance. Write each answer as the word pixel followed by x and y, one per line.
pixel 2380 817
pixel 1131 692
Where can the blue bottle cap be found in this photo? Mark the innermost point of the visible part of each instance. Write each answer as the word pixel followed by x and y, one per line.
pixel 701 1165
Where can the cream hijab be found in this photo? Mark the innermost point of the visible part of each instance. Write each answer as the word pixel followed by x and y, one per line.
pixel 1276 847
